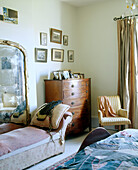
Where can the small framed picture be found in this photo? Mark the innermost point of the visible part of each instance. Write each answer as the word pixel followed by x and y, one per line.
pixel 65 40
pixel 40 55
pixel 55 36
pixel 43 38
pixel 57 54
pixel 70 55
pixel 76 75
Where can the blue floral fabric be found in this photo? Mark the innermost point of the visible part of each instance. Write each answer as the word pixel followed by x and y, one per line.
pixel 119 151
pixel 6 116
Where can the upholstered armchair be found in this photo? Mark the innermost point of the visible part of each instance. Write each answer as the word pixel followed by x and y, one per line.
pixel 121 117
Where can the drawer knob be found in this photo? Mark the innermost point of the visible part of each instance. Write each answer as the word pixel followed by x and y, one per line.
pixel 72 103
pixel 73 113
pixel 73 124
pixel 72 94
pixel 72 85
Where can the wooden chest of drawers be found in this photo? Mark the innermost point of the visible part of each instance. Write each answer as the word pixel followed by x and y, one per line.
pixel 77 94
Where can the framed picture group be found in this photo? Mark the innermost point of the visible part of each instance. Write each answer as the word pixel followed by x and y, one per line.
pixel 56 53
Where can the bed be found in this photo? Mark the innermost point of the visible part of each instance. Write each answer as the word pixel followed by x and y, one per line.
pixel 117 151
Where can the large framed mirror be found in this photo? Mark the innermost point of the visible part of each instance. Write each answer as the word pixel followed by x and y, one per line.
pixel 14 106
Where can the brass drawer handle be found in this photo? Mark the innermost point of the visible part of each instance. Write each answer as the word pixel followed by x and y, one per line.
pixel 73 124
pixel 72 103
pixel 72 85
pixel 72 94
pixel 73 113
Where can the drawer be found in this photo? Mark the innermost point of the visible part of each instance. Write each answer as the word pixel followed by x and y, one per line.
pixel 79 111
pixel 75 93
pixel 76 101
pixel 71 84
pixel 78 125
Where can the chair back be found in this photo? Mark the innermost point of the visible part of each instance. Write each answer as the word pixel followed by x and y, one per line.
pixel 114 101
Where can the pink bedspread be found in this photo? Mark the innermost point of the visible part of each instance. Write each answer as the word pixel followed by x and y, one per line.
pixel 20 138
pixel 7 127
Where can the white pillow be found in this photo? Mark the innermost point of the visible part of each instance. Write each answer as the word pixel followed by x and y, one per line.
pixel 9 100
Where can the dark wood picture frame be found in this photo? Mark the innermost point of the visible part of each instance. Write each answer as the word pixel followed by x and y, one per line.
pixel 56 36
pixel 40 55
pixel 57 54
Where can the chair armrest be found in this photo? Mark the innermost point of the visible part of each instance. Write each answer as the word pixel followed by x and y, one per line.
pixel 123 113
pixel 100 115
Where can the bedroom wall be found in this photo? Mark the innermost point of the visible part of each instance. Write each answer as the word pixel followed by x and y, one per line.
pixel 98 51
pixel 53 14
pixel 35 17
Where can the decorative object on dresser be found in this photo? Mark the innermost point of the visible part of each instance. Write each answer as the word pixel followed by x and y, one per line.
pixel 77 94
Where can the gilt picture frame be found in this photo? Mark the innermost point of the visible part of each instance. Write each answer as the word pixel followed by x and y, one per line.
pixel 70 55
pixel 56 36
pixel 40 55
pixel 57 55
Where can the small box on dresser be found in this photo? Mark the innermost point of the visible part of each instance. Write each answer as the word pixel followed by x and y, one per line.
pixel 77 94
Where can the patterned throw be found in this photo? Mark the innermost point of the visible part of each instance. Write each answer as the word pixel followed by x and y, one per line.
pixel 106 107
pixel 119 151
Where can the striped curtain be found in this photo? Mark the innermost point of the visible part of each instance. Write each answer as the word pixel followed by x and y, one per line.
pixel 127 30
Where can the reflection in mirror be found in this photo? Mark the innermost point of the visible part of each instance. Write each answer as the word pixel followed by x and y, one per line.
pixel 13 83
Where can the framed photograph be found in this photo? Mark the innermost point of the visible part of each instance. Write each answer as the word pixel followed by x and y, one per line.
pixel 56 36
pixel 70 55
pixel 40 55
pixel 76 75
pixel 65 40
pixel 57 54
pixel 43 38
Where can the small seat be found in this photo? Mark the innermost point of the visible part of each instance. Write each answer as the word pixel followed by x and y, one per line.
pixel 122 114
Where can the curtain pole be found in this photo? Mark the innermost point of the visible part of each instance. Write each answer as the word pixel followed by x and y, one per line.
pixel 121 18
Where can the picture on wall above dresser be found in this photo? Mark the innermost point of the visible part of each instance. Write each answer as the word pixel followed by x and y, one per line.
pixel 43 38
pixel 55 36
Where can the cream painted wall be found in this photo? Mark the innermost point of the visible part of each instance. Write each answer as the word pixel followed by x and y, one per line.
pixel 53 14
pixel 37 16
pixel 23 34
pixel 97 44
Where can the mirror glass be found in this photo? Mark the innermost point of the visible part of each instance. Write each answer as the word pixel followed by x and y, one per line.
pixel 13 81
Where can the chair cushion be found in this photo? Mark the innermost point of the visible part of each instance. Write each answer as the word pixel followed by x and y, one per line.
pixel 114 121
pixel 57 115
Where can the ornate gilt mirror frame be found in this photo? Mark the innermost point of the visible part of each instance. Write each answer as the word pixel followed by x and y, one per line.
pixel 22 50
